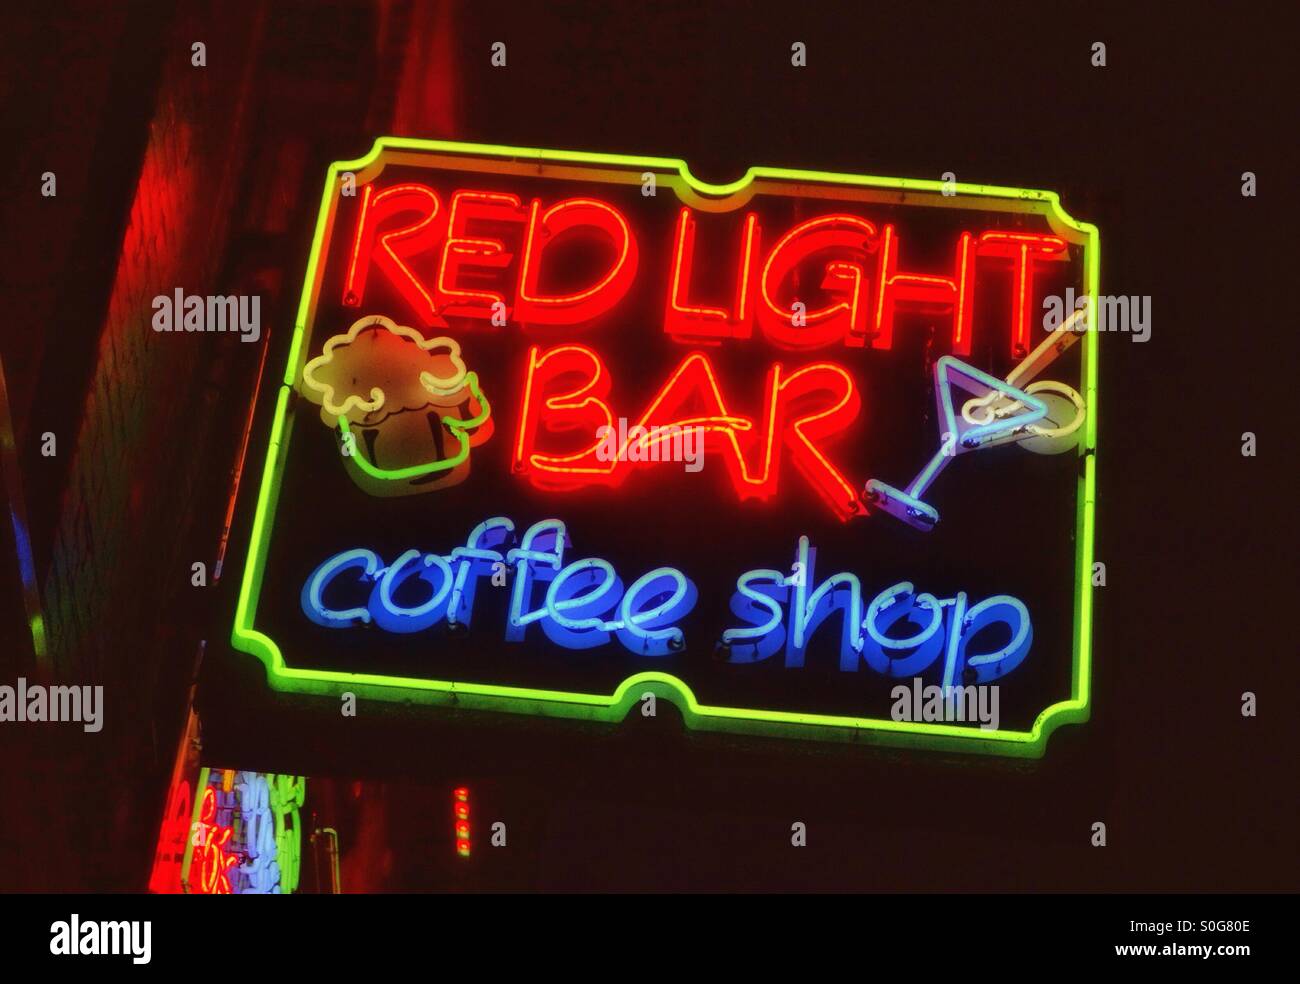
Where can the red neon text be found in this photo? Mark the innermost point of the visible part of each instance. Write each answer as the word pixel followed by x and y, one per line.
pixel 444 265
pixel 566 394
pixel 446 257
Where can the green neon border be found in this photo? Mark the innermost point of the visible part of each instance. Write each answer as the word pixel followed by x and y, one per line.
pixel 612 708
pixel 196 811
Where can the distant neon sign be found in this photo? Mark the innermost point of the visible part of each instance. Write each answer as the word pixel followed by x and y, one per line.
pixel 527 327
pixel 245 836
pixel 460 820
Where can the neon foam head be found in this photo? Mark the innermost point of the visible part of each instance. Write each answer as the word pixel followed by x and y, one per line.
pixel 378 368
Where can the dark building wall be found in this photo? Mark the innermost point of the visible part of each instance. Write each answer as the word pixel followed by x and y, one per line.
pixel 148 150
pixel 138 451
pixel 169 175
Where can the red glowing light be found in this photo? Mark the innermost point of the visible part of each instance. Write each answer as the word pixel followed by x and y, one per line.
pixel 837 320
pixel 548 227
pixel 862 310
pixel 418 237
pixel 1022 249
pixel 462 251
pixel 468 256
pixel 566 391
pixel 460 810
pixel 925 291
pixel 824 422
pixel 210 857
pixel 686 321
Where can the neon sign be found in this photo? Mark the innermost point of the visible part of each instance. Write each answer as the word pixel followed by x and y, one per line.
pixel 173 838
pixel 518 334
pixel 245 835
pixel 582 604
pixel 460 820
pixel 419 412
pixel 577 605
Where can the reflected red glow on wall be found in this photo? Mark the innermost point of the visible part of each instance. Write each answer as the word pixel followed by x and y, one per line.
pixel 425 102
pixel 166 874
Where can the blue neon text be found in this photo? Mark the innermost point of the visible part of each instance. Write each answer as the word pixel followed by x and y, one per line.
pixel 900 634
pixel 577 605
